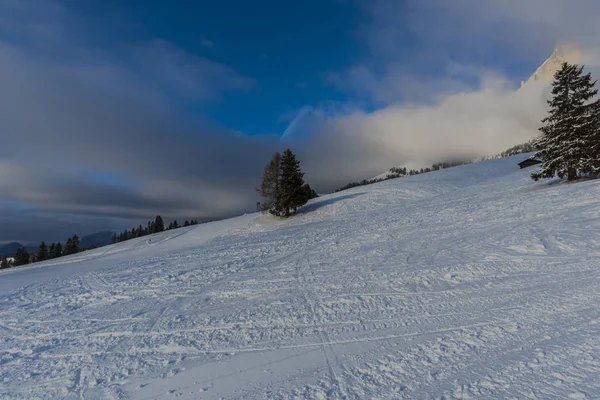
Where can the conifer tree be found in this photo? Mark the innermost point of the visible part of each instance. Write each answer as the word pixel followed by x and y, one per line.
pixel 21 257
pixel 42 252
pixel 269 187
pixel 4 263
pixel 569 144
pixel 159 225
pixel 58 250
pixel 52 250
pixel 186 223
pixel 291 194
pixel 68 246
pixel 72 246
pixel 175 224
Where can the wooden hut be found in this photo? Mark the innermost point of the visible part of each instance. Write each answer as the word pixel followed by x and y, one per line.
pixel 529 162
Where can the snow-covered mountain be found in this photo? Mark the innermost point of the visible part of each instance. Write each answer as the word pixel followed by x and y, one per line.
pixel 544 75
pixel 470 282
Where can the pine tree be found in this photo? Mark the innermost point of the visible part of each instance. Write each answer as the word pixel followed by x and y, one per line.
pixel 175 224
pixel 186 223
pixel 58 250
pixel 159 225
pixel 269 187
pixel 68 247
pixel 291 194
pixel 309 192
pixel 52 251
pixel 569 144
pixel 4 264
pixel 42 252
pixel 21 257
pixel 72 245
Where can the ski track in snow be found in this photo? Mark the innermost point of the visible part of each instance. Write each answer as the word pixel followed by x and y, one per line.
pixel 472 282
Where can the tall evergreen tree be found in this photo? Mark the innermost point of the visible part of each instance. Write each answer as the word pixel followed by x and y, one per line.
pixel 175 224
pixel 52 251
pixel 42 254
pixel 159 225
pixel 291 194
pixel 569 144
pixel 68 247
pixel 58 250
pixel 269 187
pixel 72 246
pixel 21 257
pixel 4 264
pixel 186 223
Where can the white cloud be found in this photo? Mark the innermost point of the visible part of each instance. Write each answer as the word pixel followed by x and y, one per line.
pixel 438 75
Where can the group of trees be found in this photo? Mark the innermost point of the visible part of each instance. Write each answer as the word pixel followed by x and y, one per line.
pixel 43 253
pixel 155 226
pixel 283 187
pixel 397 172
pixel 72 246
pixel 570 142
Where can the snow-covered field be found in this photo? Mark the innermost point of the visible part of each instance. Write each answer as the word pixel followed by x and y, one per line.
pixel 471 282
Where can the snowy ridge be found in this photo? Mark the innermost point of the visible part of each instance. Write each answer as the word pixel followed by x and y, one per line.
pixel 469 282
pixel 564 52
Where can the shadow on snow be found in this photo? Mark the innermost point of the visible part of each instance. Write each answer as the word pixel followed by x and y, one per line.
pixel 319 204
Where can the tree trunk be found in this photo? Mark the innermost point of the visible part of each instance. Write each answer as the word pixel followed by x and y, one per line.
pixel 572 175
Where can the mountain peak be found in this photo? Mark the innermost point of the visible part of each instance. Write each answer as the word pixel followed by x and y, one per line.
pixel 563 52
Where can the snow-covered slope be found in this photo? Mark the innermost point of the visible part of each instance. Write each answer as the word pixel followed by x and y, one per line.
pixel 470 282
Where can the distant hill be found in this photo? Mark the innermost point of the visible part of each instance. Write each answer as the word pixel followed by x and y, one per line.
pixel 97 239
pixel 9 250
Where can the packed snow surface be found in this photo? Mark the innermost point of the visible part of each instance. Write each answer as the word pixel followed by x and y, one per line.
pixel 471 282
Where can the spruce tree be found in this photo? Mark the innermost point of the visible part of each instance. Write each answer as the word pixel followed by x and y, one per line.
pixel 21 257
pixel 68 247
pixel 58 250
pixel 52 250
pixel 4 263
pixel 269 187
pixel 569 144
pixel 76 243
pixel 42 252
pixel 291 194
pixel 72 246
pixel 186 223
pixel 159 225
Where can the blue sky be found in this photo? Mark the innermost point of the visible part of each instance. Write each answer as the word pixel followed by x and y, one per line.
pixel 112 112
pixel 286 48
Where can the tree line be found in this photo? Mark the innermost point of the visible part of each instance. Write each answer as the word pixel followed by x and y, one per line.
pixel 73 245
pixel 398 172
pixel 56 250
pixel 155 226
pixel 283 187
